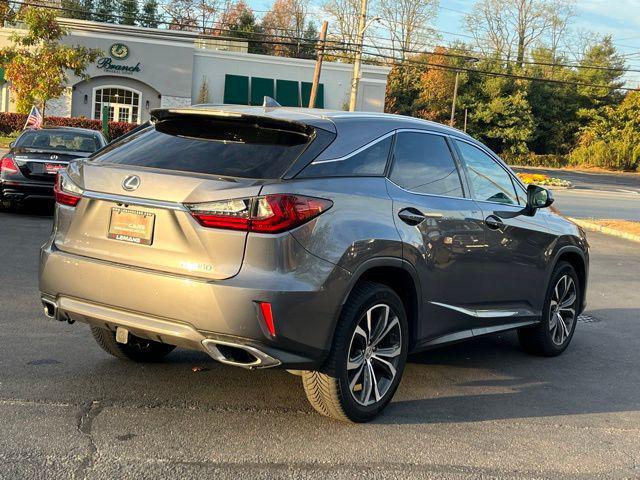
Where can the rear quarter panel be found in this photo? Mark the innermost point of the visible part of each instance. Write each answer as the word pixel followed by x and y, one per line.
pixel 358 227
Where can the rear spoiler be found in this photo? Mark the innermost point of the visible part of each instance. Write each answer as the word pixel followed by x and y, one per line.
pixel 265 121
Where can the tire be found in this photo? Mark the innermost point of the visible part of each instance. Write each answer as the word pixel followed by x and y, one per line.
pixel 543 338
pixel 136 349
pixel 329 391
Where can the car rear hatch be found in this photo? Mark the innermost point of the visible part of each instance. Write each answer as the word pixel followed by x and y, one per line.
pixel 133 210
pixel 42 165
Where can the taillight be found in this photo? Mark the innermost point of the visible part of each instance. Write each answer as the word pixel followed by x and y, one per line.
pixel 65 191
pixel 8 165
pixel 268 214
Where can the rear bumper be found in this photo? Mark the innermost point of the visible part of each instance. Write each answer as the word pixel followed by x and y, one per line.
pixel 187 312
pixel 26 190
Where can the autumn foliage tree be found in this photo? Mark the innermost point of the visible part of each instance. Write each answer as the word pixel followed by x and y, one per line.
pixel 36 64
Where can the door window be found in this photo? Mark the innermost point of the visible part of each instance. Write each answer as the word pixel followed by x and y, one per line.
pixel 489 182
pixel 423 164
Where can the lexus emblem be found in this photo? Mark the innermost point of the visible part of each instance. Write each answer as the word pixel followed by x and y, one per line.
pixel 131 182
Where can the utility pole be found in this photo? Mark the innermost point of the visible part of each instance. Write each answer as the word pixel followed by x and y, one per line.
pixel 318 69
pixel 466 110
pixel 362 25
pixel 453 103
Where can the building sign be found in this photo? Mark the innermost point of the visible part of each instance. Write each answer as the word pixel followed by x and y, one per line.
pixel 110 64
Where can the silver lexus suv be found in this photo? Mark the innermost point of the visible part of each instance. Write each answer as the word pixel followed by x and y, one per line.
pixel 330 244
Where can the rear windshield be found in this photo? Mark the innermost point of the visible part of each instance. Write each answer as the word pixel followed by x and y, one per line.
pixel 217 147
pixel 61 141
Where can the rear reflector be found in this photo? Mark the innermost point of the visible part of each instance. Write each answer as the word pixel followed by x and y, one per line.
pixel 268 214
pixel 65 191
pixel 267 317
pixel 8 165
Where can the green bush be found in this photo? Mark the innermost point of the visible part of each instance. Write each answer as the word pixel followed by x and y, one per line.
pixel 612 140
pixel 533 160
pixel 619 153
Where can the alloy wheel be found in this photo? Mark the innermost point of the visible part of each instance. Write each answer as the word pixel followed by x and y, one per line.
pixel 374 354
pixel 562 311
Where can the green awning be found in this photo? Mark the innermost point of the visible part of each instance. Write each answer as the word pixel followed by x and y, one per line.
pixel 306 94
pixel 236 89
pixel 260 88
pixel 287 93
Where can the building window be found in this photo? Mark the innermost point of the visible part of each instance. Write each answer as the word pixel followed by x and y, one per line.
pixel 123 104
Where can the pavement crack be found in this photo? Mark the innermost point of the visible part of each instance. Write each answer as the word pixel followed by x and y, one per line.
pixel 89 411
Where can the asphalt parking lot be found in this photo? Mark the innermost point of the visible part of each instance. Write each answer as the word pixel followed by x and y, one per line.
pixel 482 409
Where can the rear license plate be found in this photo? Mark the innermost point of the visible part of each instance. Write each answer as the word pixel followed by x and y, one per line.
pixel 131 226
pixel 53 167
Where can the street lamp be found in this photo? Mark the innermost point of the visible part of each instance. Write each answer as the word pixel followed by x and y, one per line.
pixel 455 91
pixel 362 26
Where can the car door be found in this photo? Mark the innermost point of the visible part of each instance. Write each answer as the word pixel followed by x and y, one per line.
pixel 442 232
pixel 514 269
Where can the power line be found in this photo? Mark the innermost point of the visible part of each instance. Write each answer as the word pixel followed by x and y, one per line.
pixel 344 48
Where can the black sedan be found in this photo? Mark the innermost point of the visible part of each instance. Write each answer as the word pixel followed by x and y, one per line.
pixel 28 170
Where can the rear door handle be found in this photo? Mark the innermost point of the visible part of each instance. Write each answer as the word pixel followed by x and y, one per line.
pixel 493 222
pixel 411 216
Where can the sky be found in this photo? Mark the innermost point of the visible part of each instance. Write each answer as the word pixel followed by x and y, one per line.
pixel 619 18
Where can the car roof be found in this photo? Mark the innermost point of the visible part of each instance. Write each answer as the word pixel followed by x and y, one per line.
pixel 353 129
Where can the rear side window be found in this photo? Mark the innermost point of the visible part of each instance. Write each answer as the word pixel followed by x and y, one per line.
pixel 210 146
pixel 422 163
pixel 371 160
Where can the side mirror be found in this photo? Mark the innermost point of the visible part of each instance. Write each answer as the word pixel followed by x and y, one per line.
pixel 538 197
pixel 11 145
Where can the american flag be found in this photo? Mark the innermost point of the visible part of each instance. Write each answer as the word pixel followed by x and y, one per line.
pixel 34 120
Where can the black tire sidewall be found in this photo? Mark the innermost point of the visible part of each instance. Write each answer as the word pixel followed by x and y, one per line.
pixel 561 270
pixel 379 294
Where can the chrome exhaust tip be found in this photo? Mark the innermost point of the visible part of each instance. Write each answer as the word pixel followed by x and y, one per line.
pixel 50 308
pixel 238 355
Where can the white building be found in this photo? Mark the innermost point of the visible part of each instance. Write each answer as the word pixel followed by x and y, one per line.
pixel 144 68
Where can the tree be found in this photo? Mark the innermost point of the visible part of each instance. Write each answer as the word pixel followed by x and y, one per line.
pixel 553 105
pixel 608 69
pixel 88 9
pixel 36 64
pixel 403 87
pixel 436 88
pixel 612 139
pixel 182 14
pixel 105 11
pixel 150 16
pixel 509 28
pixel 238 21
pixel 311 38
pixel 203 93
pixel 406 22
pixel 128 12
pixel 6 12
pixel 343 18
pixel 73 9
pixel 286 18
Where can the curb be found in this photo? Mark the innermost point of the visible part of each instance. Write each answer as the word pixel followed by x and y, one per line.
pixel 607 230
